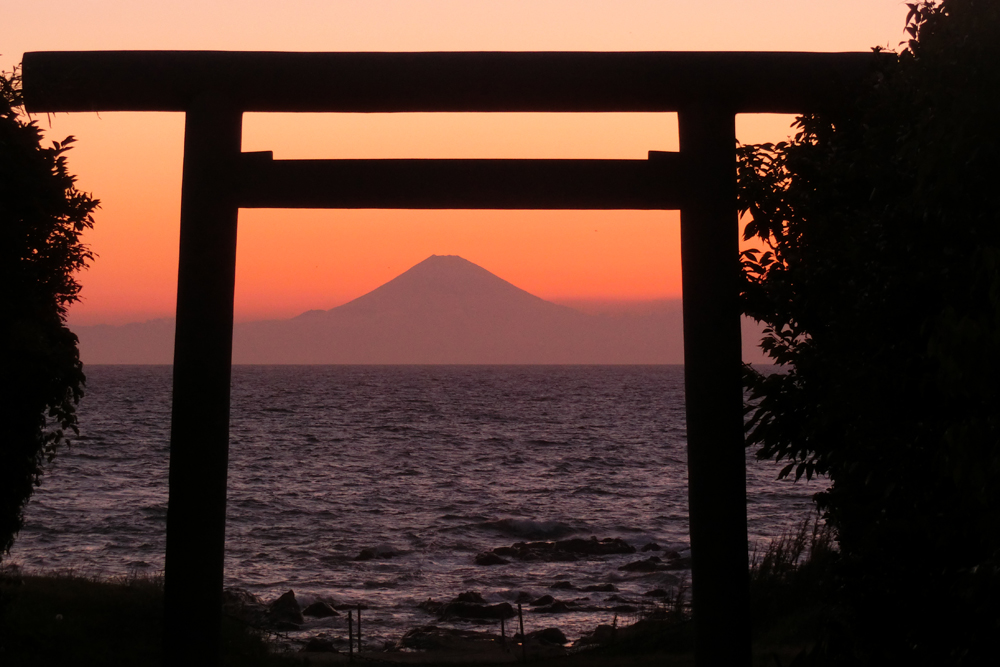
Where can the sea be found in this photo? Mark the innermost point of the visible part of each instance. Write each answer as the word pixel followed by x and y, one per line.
pixel 427 465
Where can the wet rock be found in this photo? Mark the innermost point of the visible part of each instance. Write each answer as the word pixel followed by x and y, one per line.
pixel 651 564
pixel 319 610
pixel 565 550
pixel 557 607
pixel 285 610
pixel 595 547
pixel 625 608
pixel 432 606
pixel 680 564
pixel 652 546
pixel 544 600
pixel 669 579
pixel 670 554
pixel 319 645
pixel 375 552
pixel 562 586
pixel 467 610
pixel 470 596
pixel 523 597
pixel 600 588
pixel 490 558
pixel 656 593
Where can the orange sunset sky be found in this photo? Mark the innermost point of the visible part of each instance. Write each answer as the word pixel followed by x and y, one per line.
pixel 291 261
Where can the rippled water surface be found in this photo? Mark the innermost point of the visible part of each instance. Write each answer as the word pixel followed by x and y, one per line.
pixel 433 463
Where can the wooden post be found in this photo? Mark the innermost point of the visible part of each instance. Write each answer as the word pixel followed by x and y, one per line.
pixel 359 629
pixel 199 429
pixel 713 388
pixel 350 636
pixel 524 640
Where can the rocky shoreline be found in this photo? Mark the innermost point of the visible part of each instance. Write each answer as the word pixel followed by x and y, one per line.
pixel 326 626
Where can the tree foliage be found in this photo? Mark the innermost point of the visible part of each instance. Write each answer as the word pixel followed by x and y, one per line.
pixel 42 215
pixel 879 285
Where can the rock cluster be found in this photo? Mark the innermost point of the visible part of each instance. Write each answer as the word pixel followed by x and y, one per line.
pixel 468 606
pixel 656 564
pixel 555 552
pixel 284 613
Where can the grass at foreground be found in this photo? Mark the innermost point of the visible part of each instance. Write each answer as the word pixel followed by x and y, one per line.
pixel 62 619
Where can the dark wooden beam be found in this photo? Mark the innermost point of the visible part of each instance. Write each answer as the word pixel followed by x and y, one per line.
pixel 653 184
pixel 751 82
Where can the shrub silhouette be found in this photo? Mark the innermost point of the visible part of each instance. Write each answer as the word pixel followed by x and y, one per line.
pixel 880 289
pixel 42 215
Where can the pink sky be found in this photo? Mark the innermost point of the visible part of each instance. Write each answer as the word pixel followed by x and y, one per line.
pixel 290 261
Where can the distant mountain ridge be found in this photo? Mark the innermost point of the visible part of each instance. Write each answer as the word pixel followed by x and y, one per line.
pixel 444 310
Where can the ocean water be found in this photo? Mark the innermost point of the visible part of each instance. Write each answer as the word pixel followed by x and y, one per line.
pixel 434 464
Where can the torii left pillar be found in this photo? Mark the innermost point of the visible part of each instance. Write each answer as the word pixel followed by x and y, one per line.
pixel 199 430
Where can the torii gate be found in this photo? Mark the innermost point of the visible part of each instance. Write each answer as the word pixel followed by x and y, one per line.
pixel 214 89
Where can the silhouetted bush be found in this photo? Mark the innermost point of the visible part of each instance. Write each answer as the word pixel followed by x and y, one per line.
pixel 880 289
pixel 42 215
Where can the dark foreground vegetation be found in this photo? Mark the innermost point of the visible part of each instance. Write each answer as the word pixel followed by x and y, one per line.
pixel 63 619
pixel 878 280
pixel 66 619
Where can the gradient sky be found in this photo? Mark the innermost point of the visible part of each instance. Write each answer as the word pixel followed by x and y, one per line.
pixel 291 261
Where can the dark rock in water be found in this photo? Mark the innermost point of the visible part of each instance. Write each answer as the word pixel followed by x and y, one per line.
pixel 470 596
pixel 549 636
pixel 657 593
pixel 469 610
pixel 600 588
pixel 669 579
pixel 565 550
pixel 319 610
pixel 652 546
pixel 679 564
pixel 490 558
pixel 285 610
pixel 595 547
pixel 625 608
pixel 523 597
pixel 374 552
pixel 651 564
pixel 431 637
pixel 562 586
pixel 432 606
pixel 557 607
pixel 319 645
pixel 544 600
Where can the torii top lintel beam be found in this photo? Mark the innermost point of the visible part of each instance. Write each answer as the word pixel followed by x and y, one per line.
pixel 747 82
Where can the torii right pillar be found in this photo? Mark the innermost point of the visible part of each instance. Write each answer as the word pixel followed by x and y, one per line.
pixel 713 388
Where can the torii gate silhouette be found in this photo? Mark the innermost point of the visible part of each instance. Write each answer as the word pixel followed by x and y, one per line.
pixel 214 89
